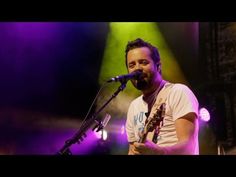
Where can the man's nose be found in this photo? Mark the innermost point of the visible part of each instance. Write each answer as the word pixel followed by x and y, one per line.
pixel 138 67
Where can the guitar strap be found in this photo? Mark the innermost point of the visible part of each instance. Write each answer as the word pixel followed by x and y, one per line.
pixel 160 100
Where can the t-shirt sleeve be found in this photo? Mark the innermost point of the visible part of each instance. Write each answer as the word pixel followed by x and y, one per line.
pixel 182 101
pixel 130 124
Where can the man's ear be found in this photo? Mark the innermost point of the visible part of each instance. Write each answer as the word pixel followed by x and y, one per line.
pixel 158 67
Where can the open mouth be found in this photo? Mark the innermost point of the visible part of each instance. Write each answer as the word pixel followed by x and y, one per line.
pixel 143 76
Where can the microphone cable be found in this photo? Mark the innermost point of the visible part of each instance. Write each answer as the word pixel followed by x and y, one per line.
pixel 98 93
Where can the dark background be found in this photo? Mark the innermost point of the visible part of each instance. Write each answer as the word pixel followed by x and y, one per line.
pixel 49 71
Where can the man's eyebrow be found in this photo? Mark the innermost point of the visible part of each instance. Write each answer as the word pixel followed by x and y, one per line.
pixel 143 59
pixel 131 62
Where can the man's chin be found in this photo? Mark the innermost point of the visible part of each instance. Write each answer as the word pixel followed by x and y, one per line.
pixel 141 85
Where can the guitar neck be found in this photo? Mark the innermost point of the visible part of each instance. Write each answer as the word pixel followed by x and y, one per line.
pixel 153 124
pixel 143 138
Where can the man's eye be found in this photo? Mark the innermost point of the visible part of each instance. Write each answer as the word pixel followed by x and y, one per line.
pixel 131 65
pixel 144 62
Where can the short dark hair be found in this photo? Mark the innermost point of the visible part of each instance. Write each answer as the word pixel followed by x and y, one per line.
pixel 138 43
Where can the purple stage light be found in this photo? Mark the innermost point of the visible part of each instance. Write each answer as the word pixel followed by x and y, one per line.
pixel 204 114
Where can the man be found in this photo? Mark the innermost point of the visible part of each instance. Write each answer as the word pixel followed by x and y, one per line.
pixel 178 131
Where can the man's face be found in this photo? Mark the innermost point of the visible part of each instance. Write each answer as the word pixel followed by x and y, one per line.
pixel 140 59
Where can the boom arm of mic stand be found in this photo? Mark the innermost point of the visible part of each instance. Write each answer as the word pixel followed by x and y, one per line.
pixel 78 135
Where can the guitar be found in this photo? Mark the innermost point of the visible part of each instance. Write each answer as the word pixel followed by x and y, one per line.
pixel 153 124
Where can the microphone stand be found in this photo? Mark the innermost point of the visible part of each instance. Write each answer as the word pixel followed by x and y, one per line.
pixel 78 136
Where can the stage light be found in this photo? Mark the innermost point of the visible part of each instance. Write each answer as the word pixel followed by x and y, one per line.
pixel 98 134
pixel 113 62
pixel 122 129
pixel 102 134
pixel 204 114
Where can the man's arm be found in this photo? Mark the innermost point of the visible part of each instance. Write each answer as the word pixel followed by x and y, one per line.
pixel 186 129
pixel 131 147
pixel 132 150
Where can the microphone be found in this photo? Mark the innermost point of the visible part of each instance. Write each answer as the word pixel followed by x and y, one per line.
pixel 124 78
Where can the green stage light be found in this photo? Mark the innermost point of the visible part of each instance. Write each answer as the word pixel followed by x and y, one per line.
pixel 113 62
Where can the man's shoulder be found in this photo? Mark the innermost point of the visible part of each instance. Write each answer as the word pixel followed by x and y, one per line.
pixel 178 89
pixel 137 100
pixel 178 86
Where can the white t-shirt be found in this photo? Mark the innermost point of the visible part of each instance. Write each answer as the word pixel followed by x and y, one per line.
pixel 179 101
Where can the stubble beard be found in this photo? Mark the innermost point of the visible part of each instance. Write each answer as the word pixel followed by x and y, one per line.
pixel 143 84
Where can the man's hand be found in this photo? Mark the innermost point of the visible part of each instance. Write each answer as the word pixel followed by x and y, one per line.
pixel 147 148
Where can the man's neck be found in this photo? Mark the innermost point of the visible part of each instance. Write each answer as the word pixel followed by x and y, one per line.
pixel 150 96
pixel 151 90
